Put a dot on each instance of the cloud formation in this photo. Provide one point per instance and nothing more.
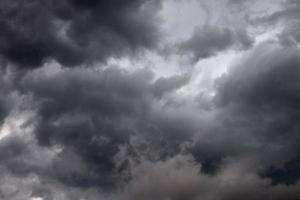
(208, 41)
(74, 32)
(75, 126)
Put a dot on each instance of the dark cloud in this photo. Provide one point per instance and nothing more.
(262, 98)
(179, 178)
(96, 115)
(248, 148)
(3, 109)
(92, 114)
(8, 93)
(263, 83)
(208, 41)
(75, 32)
(165, 85)
(110, 133)
(111, 129)
(88, 130)
(288, 174)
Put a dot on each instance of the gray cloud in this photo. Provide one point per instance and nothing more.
(92, 114)
(262, 99)
(246, 145)
(285, 19)
(165, 85)
(117, 134)
(248, 149)
(209, 41)
(80, 143)
(73, 32)
(179, 178)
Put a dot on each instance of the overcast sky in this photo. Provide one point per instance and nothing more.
(149, 100)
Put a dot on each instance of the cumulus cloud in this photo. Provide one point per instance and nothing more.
(102, 111)
(263, 95)
(75, 32)
(129, 130)
(88, 133)
(86, 144)
(250, 148)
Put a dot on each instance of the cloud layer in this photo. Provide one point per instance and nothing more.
(75, 32)
(89, 111)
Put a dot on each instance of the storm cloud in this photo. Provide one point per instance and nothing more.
(75, 32)
(90, 110)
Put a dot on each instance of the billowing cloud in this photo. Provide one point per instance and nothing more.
(123, 126)
(263, 95)
(75, 32)
(101, 112)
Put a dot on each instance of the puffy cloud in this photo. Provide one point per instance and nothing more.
(259, 99)
(91, 114)
(75, 32)
(248, 149)
(131, 133)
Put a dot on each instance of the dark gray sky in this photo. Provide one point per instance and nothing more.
(149, 100)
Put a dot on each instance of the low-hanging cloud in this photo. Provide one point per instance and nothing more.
(122, 132)
(75, 32)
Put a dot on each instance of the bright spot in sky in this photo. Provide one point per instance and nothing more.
(4, 131)
(36, 198)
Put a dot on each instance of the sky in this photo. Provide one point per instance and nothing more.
(149, 100)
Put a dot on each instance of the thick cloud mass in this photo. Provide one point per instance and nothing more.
(132, 127)
(264, 96)
(92, 114)
(75, 32)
